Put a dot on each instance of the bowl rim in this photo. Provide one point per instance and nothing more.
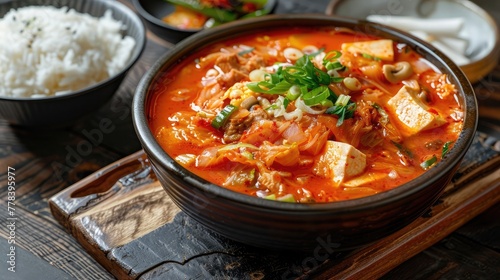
(154, 150)
(135, 55)
(154, 20)
(158, 22)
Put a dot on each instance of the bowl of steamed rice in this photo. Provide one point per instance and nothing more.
(60, 60)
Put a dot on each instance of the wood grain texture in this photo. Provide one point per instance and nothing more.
(454, 210)
(135, 231)
(47, 240)
(48, 164)
(453, 258)
(485, 229)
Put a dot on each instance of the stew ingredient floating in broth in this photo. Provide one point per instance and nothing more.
(306, 115)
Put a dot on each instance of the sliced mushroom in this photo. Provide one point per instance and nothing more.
(397, 72)
(248, 102)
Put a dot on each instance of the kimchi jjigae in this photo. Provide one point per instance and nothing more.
(306, 115)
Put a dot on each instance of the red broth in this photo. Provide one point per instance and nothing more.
(288, 145)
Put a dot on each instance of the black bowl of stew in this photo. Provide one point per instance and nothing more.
(242, 205)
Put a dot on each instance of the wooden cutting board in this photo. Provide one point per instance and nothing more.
(125, 220)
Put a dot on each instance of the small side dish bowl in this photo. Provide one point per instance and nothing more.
(153, 12)
(61, 110)
(478, 38)
(279, 225)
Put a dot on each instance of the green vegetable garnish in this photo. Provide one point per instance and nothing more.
(257, 13)
(365, 55)
(287, 198)
(269, 87)
(384, 117)
(403, 149)
(305, 80)
(222, 117)
(316, 96)
(286, 102)
(294, 92)
(343, 108)
(270, 197)
(446, 148)
(330, 61)
(428, 163)
(220, 15)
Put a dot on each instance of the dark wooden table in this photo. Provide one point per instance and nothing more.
(46, 162)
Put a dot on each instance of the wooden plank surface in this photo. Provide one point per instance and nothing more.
(128, 223)
(47, 166)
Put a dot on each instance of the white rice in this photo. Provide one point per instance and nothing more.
(47, 51)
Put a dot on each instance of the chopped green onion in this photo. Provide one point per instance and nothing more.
(342, 100)
(260, 3)
(247, 154)
(295, 75)
(446, 148)
(286, 101)
(287, 198)
(270, 197)
(330, 61)
(334, 66)
(365, 55)
(272, 107)
(331, 56)
(403, 149)
(316, 96)
(326, 103)
(384, 117)
(323, 77)
(218, 14)
(268, 87)
(222, 117)
(337, 79)
(294, 92)
(304, 80)
(428, 163)
(343, 108)
(257, 13)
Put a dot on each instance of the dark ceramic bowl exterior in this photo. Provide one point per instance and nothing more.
(65, 109)
(152, 11)
(291, 226)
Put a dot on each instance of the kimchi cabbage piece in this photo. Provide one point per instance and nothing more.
(306, 115)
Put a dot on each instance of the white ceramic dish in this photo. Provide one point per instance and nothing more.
(479, 31)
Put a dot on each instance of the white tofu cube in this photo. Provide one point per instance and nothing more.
(382, 49)
(340, 161)
(412, 112)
